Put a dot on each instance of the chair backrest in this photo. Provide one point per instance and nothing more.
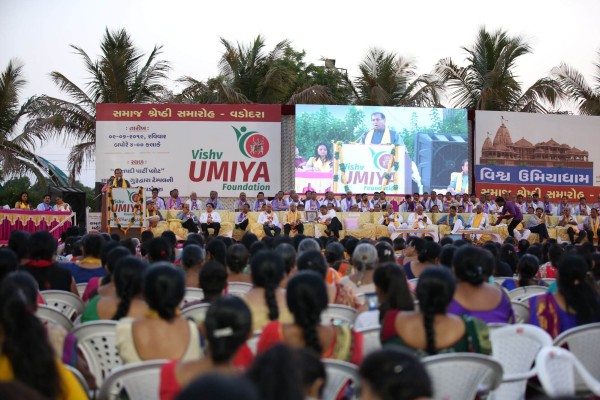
(68, 303)
(98, 343)
(520, 293)
(238, 288)
(556, 369)
(81, 288)
(521, 311)
(548, 281)
(192, 294)
(338, 315)
(583, 342)
(338, 375)
(253, 341)
(197, 312)
(79, 376)
(459, 376)
(371, 339)
(138, 380)
(499, 279)
(51, 314)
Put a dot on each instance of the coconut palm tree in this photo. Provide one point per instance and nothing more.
(585, 96)
(387, 79)
(488, 82)
(122, 74)
(16, 150)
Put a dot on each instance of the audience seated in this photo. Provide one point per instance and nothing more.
(237, 261)
(364, 259)
(192, 260)
(527, 270)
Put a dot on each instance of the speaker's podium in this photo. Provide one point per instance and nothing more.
(123, 211)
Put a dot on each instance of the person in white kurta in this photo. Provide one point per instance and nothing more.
(269, 221)
(418, 220)
(393, 221)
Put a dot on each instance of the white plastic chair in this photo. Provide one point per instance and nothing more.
(81, 288)
(556, 369)
(197, 312)
(53, 315)
(520, 293)
(338, 315)
(372, 340)
(459, 376)
(97, 340)
(79, 376)
(521, 311)
(192, 294)
(515, 347)
(138, 380)
(548, 281)
(583, 342)
(69, 304)
(238, 288)
(499, 280)
(338, 374)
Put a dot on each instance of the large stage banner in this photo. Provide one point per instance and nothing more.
(191, 147)
(524, 153)
(433, 142)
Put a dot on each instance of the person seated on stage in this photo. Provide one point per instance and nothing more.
(330, 221)
(582, 208)
(448, 201)
(294, 198)
(159, 203)
(322, 160)
(300, 207)
(330, 199)
(347, 202)
(408, 205)
(240, 203)
(435, 209)
(354, 208)
(152, 215)
(467, 204)
(365, 204)
(174, 202)
(194, 203)
(536, 223)
(269, 221)
(382, 200)
(418, 220)
(564, 203)
(293, 221)
(60, 205)
(392, 220)
(591, 225)
(45, 204)
(489, 206)
(459, 181)
(569, 222)
(210, 219)
(279, 203)
(242, 219)
(260, 202)
(376, 208)
(214, 199)
(427, 202)
(454, 221)
(311, 203)
(547, 205)
(460, 209)
(479, 219)
(23, 203)
(188, 219)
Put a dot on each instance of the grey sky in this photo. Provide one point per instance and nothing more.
(38, 34)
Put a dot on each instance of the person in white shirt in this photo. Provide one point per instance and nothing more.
(61, 205)
(393, 221)
(570, 223)
(239, 204)
(478, 220)
(210, 219)
(348, 202)
(330, 199)
(418, 220)
(243, 218)
(188, 219)
(159, 203)
(45, 204)
(269, 221)
(427, 202)
(564, 204)
(592, 225)
(582, 208)
(193, 202)
(489, 206)
(331, 222)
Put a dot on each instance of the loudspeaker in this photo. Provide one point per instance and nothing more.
(74, 197)
(437, 156)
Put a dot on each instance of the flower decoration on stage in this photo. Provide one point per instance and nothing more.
(137, 208)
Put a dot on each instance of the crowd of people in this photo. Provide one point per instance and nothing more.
(142, 285)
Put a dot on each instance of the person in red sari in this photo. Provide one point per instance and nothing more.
(307, 299)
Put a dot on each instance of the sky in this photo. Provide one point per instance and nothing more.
(38, 34)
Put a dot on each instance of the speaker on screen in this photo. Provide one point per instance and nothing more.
(437, 156)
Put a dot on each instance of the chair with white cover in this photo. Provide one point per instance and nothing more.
(97, 340)
(371, 339)
(459, 376)
(197, 312)
(238, 288)
(79, 376)
(81, 288)
(515, 347)
(522, 292)
(556, 369)
(192, 294)
(338, 315)
(583, 342)
(68, 303)
(53, 315)
(521, 311)
(139, 380)
(338, 375)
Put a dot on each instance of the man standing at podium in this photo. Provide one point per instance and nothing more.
(118, 181)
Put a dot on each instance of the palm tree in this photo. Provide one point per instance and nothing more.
(387, 79)
(16, 150)
(120, 75)
(488, 82)
(585, 96)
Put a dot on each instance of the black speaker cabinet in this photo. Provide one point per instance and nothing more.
(437, 156)
(74, 197)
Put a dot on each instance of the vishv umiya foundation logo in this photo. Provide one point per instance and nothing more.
(252, 144)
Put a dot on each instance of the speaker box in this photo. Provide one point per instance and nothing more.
(74, 197)
(437, 156)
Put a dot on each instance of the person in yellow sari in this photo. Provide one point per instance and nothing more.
(23, 203)
(322, 161)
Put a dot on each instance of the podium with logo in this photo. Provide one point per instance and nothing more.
(123, 211)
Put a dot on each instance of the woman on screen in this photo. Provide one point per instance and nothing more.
(322, 161)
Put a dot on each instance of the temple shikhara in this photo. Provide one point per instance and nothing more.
(502, 151)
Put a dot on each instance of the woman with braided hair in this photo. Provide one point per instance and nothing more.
(432, 330)
(266, 299)
(307, 298)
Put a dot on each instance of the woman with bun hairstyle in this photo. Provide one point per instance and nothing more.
(474, 295)
(433, 329)
(163, 333)
(266, 299)
(227, 326)
(364, 260)
(307, 298)
(427, 254)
